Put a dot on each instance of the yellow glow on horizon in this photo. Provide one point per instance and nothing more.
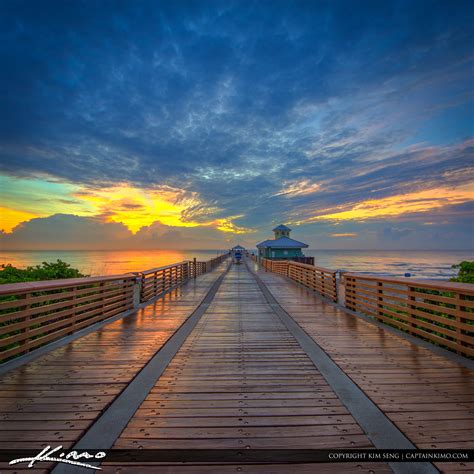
(421, 201)
(132, 206)
(10, 218)
(139, 207)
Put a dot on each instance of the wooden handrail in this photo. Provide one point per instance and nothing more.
(35, 313)
(38, 312)
(420, 282)
(157, 269)
(311, 267)
(44, 285)
(319, 279)
(438, 311)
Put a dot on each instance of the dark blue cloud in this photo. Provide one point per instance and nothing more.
(232, 99)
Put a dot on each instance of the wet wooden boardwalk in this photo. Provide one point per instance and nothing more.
(241, 378)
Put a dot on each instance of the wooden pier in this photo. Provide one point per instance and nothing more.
(241, 358)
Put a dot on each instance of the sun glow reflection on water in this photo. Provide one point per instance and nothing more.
(103, 262)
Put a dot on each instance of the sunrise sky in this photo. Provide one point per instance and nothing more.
(186, 124)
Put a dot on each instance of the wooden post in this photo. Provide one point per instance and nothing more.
(137, 289)
(26, 329)
(195, 267)
(73, 315)
(458, 308)
(155, 283)
(411, 307)
(380, 300)
(349, 293)
(102, 291)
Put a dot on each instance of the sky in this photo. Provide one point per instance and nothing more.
(201, 124)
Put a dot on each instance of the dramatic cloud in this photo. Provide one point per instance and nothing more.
(230, 117)
(419, 202)
(62, 231)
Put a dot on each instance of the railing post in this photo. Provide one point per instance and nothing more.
(458, 319)
(25, 330)
(102, 294)
(155, 283)
(380, 300)
(73, 315)
(341, 289)
(347, 291)
(137, 290)
(195, 267)
(411, 307)
(142, 289)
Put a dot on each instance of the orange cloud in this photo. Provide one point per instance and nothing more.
(139, 207)
(10, 218)
(421, 201)
(349, 234)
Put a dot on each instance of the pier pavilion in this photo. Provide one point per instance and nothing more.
(283, 247)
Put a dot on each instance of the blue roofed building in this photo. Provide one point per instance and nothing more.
(282, 247)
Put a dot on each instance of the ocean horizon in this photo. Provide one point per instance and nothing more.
(433, 264)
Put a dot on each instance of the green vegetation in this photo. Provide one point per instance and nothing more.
(45, 271)
(465, 273)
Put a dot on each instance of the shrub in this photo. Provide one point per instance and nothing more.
(45, 271)
(465, 273)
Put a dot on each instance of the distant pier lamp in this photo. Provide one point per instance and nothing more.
(282, 247)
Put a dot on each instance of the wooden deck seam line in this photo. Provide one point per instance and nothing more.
(108, 427)
(379, 429)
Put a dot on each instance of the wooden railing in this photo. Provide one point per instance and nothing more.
(158, 281)
(214, 262)
(321, 280)
(35, 313)
(440, 312)
(200, 267)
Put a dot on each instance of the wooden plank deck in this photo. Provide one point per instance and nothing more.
(241, 380)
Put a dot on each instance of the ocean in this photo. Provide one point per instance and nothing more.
(420, 264)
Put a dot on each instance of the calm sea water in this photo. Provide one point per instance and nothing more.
(420, 264)
(105, 262)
